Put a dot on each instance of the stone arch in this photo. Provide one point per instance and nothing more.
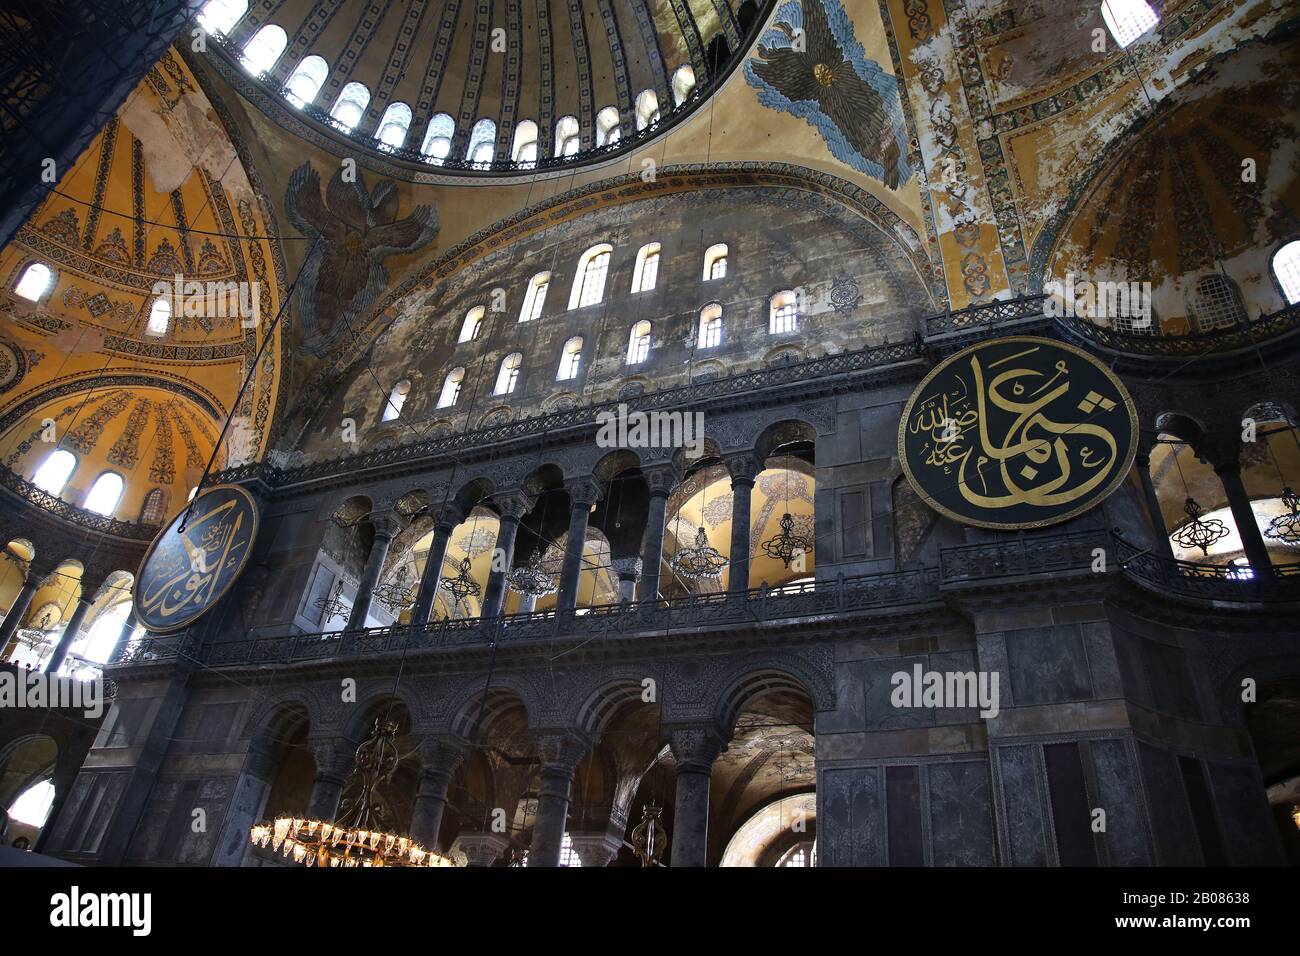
(747, 682)
(785, 431)
(603, 705)
(477, 708)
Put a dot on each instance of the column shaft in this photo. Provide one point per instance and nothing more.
(14, 616)
(738, 575)
(68, 636)
(652, 551)
(369, 578)
(432, 577)
(1244, 517)
(1163, 546)
(552, 815)
(571, 570)
(691, 818)
(494, 594)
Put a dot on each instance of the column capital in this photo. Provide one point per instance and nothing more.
(440, 755)
(583, 492)
(448, 516)
(595, 849)
(387, 524)
(661, 480)
(561, 751)
(335, 757)
(481, 849)
(513, 504)
(743, 468)
(626, 568)
(696, 746)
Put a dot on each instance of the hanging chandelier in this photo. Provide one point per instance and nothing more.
(1199, 532)
(332, 605)
(35, 637)
(531, 579)
(788, 544)
(700, 561)
(649, 837)
(397, 595)
(1286, 527)
(461, 585)
(360, 836)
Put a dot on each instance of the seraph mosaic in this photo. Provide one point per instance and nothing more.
(810, 65)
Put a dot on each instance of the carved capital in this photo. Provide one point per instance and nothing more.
(583, 492)
(661, 480)
(743, 468)
(440, 755)
(387, 524)
(450, 515)
(696, 746)
(627, 568)
(561, 752)
(335, 757)
(513, 504)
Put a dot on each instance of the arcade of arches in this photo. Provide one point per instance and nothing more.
(566, 378)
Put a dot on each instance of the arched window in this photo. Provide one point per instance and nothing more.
(638, 343)
(482, 143)
(160, 317)
(98, 641)
(437, 138)
(508, 375)
(570, 359)
(33, 805)
(351, 105)
(55, 471)
(683, 84)
(647, 109)
(451, 388)
(34, 282)
(646, 272)
(105, 493)
(154, 508)
(715, 261)
(469, 329)
(1286, 266)
(261, 52)
(307, 79)
(589, 286)
(607, 130)
(1128, 19)
(784, 313)
(567, 139)
(1217, 303)
(524, 151)
(396, 399)
(219, 16)
(710, 326)
(394, 125)
(535, 297)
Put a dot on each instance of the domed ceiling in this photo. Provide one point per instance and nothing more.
(498, 60)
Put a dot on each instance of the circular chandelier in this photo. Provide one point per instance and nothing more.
(700, 561)
(1199, 532)
(1286, 527)
(397, 595)
(361, 835)
(531, 579)
(461, 585)
(788, 544)
(332, 605)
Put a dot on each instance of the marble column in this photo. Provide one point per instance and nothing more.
(1243, 515)
(440, 758)
(695, 748)
(17, 610)
(661, 482)
(527, 603)
(431, 579)
(628, 571)
(512, 509)
(387, 526)
(70, 632)
(744, 469)
(560, 754)
(583, 493)
(335, 758)
(124, 636)
(1163, 546)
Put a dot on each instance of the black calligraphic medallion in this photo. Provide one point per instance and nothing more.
(185, 573)
(1017, 433)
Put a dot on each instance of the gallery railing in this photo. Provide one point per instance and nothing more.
(985, 315)
(59, 508)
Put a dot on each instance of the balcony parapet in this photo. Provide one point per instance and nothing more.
(66, 511)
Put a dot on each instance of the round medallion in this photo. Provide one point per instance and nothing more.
(1017, 433)
(186, 573)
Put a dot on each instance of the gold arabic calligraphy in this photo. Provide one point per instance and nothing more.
(189, 581)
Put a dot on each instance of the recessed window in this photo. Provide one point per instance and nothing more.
(567, 139)
(32, 808)
(482, 143)
(508, 374)
(607, 126)
(451, 388)
(710, 326)
(683, 84)
(1216, 303)
(715, 261)
(437, 139)
(160, 317)
(784, 313)
(307, 79)
(638, 343)
(1286, 266)
(394, 125)
(1128, 19)
(396, 399)
(570, 359)
(105, 493)
(261, 52)
(154, 508)
(589, 286)
(524, 151)
(220, 16)
(647, 109)
(535, 297)
(646, 272)
(351, 106)
(34, 282)
(472, 325)
(55, 471)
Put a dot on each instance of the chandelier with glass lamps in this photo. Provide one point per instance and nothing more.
(1286, 526)
(699, 561)
(531, 579)
(397, 595)
(1199, 531)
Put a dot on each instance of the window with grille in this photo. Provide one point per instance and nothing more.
(508, 376)
(710, 326)
(1286, 266)
(393, 126)
(396, 399)
(570, 359)
(307, 79)
(592, 270)
(638, 344)
(472, 325)
(34, 282)
(1217, 303)
(351, 105)
(1128, 19)
(154, 508)
(646, 273)
(715, 262)
(784, 313)
(535, 297)
(451, 388)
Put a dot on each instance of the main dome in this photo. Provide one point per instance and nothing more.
(481, 87)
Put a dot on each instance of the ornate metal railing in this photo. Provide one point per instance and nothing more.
(985, 315)
(1244, 334)
(1023, 554)
(56, 506)
(1211, 582)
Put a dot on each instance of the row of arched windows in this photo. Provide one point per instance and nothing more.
(268, 44)
(105, 494)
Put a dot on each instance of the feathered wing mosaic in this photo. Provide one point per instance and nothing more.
(810, 65)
